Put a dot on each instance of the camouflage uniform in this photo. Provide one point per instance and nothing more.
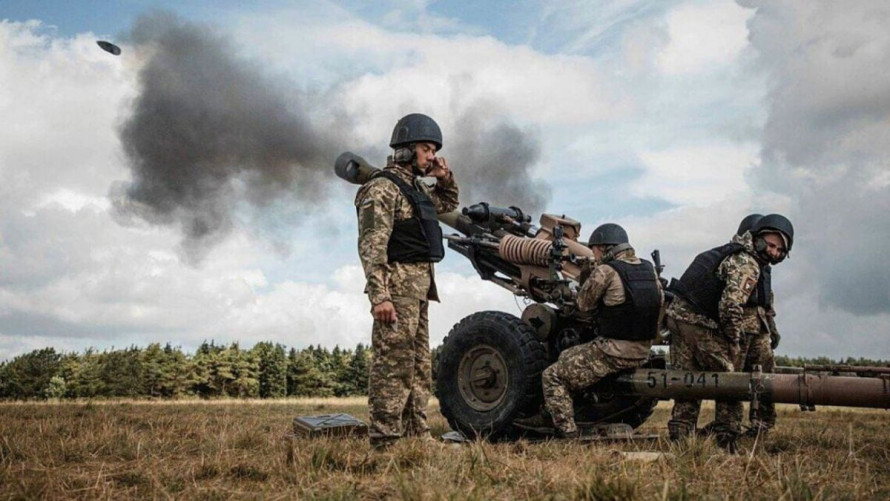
(759, 327)
(400, 374)
(760, 352)
(699, 343)
(581, 366)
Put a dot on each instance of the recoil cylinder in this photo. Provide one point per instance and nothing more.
(518, 250)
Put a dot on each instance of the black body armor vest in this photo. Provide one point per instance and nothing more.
(636, 319)
(701, 287)
(761, 295)
(417, 239)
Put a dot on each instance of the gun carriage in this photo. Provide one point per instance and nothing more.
(489, 366)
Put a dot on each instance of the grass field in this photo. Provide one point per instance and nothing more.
(233, 449)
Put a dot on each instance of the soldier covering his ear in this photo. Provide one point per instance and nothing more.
(399, 241)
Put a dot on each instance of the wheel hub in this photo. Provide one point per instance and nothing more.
(483, 378)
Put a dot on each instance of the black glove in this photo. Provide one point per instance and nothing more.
(774, 339)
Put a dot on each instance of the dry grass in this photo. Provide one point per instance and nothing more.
(230, 449)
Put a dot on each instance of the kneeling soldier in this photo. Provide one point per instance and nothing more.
(627, 295)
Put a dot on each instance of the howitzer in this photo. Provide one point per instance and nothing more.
(489, 366)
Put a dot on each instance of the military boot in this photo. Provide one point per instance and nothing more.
(729, 441)
(539, 423)
(707, 430)
(757, 430)
(678, 430)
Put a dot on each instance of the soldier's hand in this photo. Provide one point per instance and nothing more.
(439, 168)
(774, 339)
(734, 337)
(384, 312)
(586, 270)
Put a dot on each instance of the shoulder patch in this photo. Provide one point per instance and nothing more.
(749, 285)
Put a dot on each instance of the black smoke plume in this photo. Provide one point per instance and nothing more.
(206, 126)
(209, 131)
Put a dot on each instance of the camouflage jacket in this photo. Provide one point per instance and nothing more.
(740, 272)
(605, 284)
(757, 319)
(379, 203)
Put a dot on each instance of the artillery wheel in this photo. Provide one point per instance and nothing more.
(599, 406)
(489, 373)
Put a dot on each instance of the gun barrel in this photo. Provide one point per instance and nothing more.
(807, 390)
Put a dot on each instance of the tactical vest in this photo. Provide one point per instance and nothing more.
(701, 286)
(636, 319)
(417, 239)
(761, 294)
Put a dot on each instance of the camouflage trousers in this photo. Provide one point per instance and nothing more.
(698, 348)
(400, 375)
(577, 368)
(759, 352)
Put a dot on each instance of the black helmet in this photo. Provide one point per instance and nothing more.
(608, 234)
(416, 128)
(748, 223)
(772, 223)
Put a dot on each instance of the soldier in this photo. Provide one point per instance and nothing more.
(707, 317)
(759, 340)
(399, 240)
(763, 338)
(627, 294)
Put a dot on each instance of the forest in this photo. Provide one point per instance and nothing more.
(267, 370)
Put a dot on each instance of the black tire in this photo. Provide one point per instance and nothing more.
(593, 406)
(489, 373)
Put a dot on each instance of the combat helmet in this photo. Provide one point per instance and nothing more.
(747, 223)
(773, 223)
(608, 234)
(613, 237)
(416, 128)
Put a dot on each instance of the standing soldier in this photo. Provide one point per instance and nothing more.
(626, 292)
(707, 318)
(399, 240)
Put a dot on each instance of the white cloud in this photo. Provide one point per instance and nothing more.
(697, 176)
(703, 36)
(449, 74)
(73, 201)
(399, 71)
(70, 277)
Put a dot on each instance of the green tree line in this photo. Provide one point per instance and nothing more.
(786, 361)
(214, 371)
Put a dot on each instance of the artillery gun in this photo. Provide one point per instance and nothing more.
(489, 366)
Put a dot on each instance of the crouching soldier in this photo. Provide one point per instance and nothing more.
(626, 293)
(759, 338)
(707, 317)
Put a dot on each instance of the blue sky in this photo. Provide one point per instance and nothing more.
(674, 119)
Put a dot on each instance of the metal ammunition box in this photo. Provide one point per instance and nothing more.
(329, 425)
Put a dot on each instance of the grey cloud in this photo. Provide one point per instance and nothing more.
(495, 159)
(827, 139)
(37, 324)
